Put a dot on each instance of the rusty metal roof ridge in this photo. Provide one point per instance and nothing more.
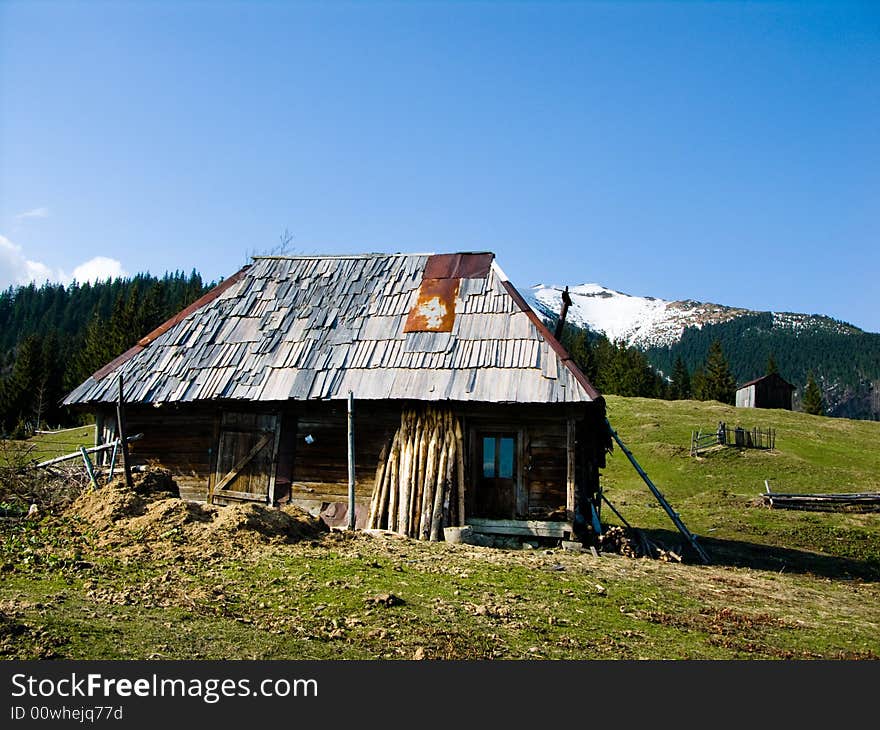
(294, 257)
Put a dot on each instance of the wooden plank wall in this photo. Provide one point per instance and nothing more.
(546, 469)
(179, 438)
(184, 439)
(320, 469)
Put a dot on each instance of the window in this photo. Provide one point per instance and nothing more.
(498, 457)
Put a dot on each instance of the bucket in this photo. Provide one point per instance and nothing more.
(455, 535)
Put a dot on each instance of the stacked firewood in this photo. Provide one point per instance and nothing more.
(617, 540)
(636, 544)
(419, 486)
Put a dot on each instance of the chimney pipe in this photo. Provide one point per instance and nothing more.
(560, 323)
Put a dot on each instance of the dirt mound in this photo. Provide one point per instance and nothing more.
(147, 513)
(164, 515)
(115, 502)
(156, 482)
(290, 523)
(107, 506)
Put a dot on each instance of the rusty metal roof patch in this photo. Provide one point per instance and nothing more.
(458, 266)
(434, 310)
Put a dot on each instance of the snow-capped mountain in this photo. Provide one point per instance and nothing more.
(646, 322)
(844, 359)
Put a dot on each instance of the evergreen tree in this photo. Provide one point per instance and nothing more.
(576, 341)
(96, 350)
(680, 387)
(717, 381)
(771, 366)
(698, 383)
(813, 402)
(52, 337)
(23, 389)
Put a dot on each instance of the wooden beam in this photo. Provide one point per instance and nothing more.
(534, 528)
(99, 427)
(570, 469)
(244, 461)
(242, 496)
(351, 506)
(213, 457)
(120, 419)
(113, 459)
(274, 466)
(90, 450)
(522, 494)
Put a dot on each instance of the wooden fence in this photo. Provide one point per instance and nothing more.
(756, 438)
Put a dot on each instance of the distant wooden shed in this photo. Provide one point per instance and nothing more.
(769, 391)
(467, 408)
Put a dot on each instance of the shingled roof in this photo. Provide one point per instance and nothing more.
(395, 326)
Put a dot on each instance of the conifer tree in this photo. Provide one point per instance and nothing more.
(21, 387)
(771, 366)
(813, 402)
(680, 388)
(717, 382)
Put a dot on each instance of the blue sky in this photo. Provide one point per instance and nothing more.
(721, 151)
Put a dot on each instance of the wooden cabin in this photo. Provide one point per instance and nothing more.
(770, 391)
(466, 408)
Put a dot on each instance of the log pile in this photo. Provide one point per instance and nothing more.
(618, 540)
(634, 543)
(419, 487)
(857, 502)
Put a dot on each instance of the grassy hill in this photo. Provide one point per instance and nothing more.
(716, 494)
(111, 581)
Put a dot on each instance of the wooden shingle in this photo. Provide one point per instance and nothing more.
(319, 326)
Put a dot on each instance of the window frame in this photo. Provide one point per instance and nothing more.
(497, 437)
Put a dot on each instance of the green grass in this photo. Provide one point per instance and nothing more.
(47, 446)
(783, 584)
(717, 494)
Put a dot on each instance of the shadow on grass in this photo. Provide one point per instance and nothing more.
(740, 554)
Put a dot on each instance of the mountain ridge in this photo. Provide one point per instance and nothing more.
(646, 321)
(844, 359)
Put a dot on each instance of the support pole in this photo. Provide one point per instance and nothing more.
(113, 460)
(99, 428)
(120, 420)
(351, 506)
(673, 515)
(89, 468)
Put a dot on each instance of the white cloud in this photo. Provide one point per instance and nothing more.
(34, 213)
(99, 268)
(16, 268)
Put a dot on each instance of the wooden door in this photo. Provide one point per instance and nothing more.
(496, 493)
(246, 458)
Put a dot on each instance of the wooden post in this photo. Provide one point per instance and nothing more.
(113, 460)
(459, 456)
(120, 420)
(273, 467)
(99, 433)
(89, 469)
(570, 470)
(351, 506)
